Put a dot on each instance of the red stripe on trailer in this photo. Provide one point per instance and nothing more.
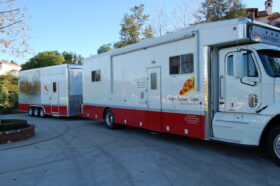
(23, 107)
(49, 109)
(174, 123)
(93, 112)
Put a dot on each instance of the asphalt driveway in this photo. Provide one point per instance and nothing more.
(83, 152)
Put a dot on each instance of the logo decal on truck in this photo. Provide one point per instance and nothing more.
(187, 87)
(46, 88)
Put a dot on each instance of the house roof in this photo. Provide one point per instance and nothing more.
(274, 16)
(11, 64)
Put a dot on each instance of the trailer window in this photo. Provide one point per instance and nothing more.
(95, 75)
(187, 63)
(174, 63)
(54, 86)
(153, 81)
(183, 64)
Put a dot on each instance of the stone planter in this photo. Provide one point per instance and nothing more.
(15, 130)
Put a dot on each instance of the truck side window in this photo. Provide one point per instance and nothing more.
(54, 86)
(250, 68)
(96, 75)
(182, 64)
(230, 71)
(174, 63)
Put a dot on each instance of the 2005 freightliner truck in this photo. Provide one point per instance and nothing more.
(215, 81)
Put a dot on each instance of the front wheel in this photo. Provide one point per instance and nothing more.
(273, 144)
(109, 119)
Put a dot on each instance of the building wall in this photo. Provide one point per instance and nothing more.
(7, 68)
(262, 19)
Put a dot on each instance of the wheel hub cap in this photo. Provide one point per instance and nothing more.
(109, 119)
(277, 146)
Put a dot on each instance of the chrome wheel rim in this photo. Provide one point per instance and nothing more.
(35, 112)
(41, 112)
(30, 111)
(277, 146)
(109, 119)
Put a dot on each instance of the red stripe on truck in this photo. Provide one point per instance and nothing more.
(174, 123)
(49, 109)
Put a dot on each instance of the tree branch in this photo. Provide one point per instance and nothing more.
(3, 27)
(5, 2)
(4, 12)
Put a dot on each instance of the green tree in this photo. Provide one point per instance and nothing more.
(104, 48)
(148, 32)
(44, 59)
(8, 94)
(216, 10)
(4, 96)
(132, 30)
(72, 58)
(237, 9)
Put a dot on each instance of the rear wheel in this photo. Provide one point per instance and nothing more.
(30, 111)
(273, 144)
(36, 112)
(109, 119)
(41, 113)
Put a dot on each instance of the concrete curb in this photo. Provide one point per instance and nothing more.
(17, 135)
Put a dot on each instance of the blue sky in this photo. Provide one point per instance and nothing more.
(82, 26)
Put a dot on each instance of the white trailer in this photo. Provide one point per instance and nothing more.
(215, 81)
(54, 90)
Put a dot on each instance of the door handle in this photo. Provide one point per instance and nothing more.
(220, 88)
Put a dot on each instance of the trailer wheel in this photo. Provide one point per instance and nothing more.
(30, 111)
(41, 113)
(36, 112)
(109, 119)
(273, 144)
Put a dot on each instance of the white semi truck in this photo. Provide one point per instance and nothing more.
(54, 90)
(215, 81)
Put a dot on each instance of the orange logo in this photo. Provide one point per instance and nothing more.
(188, 86)
(46, 88)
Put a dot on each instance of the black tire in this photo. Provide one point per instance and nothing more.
(36, 111)
(109, 119)
(30, 111)
(273, 144)
(41, 113)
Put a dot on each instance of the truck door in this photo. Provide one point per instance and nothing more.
(54, 97)
(154, 98)
(240, 82)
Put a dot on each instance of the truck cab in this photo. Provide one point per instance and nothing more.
(248, 110)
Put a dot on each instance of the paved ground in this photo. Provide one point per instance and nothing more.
(83, 152)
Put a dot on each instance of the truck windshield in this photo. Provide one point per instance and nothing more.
(271, 61)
